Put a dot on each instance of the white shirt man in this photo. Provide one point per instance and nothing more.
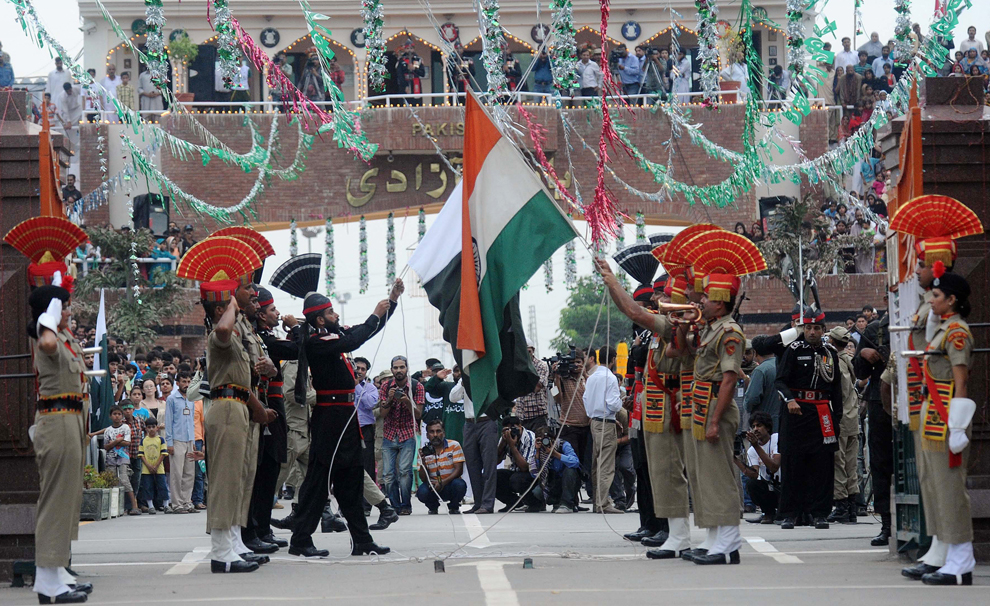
(971, 42)
(737, 72)
(755, 461)
(56, 78)
(682, 83)
(111, 82)
(68, 104)
(589, 74)
(602, 398)
(846, 56)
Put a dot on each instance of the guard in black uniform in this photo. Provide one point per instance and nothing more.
(335, 452)
(258, 534)
(810, 383)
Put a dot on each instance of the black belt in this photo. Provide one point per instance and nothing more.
(230, 392)
(603, 420)
(478, 419)
(809, 394)
(60, 405)
(334, 396)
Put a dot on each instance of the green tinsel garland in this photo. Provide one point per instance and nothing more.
(421, 227)
(563, 46)
(154, 19)
(570, 265)
(227, 50)
(374, 19)
(492, 55)
(293, 238)
(640, 227)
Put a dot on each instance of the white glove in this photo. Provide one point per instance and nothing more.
(57, 279)
(932, 326)
(52, 316)
(961, 411)
(789, 336)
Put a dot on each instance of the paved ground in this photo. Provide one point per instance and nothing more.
(578, 559)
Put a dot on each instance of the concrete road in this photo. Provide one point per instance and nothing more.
(578, 559)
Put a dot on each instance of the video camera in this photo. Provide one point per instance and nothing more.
(565, 362)
(427, 450)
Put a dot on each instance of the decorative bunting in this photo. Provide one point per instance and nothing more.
(492, 43)
(374, 45)
(708, 50)
(363, 254)
(330, 270)
(421, 227)
(563, 46)
(390, 250)
(293, 238)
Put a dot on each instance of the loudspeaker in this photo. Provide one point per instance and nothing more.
(151, 211)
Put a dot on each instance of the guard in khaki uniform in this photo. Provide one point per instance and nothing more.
(659, 417)
(846, 484)
(59, 432)
(936, 222)
(721, 257)
(224, 266)
(946, 428)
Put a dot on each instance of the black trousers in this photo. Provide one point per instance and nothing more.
(562, 488)
(368, 454)
(644, 490)
(348, 487)
(579, 438)
(764, 498)
(263, 493)
(806, 482)
(881, 456)
(510, 484)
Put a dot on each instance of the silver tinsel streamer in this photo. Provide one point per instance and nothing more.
(374, 18)
(227, 47)
(563, 46)
(293, 239)
(708, 52)
(421, 227)
(492, 55)
(902, 27)
(570, 265)
(363, 254)
(330, 271)
(796, 54)
(154, 17)
(640, 228)
(548, 274)
(390, 250)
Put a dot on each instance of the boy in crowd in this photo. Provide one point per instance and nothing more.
(153, 452)
(138, 430)
(116, 440)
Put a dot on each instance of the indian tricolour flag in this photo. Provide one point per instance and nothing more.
(497, 228)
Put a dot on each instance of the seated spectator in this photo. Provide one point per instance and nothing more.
(443, 460)
(153, 486)
(842, 214)
(756, 232)
(857, 116)
(518, 450)
(973, 58)
(957, 71)
(844, 129)
(762, 469)
(741, 229)
(563, 472)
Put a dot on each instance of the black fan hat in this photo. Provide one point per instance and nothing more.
(299, 276)
(638, 261)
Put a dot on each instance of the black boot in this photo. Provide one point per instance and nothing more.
(289, 493)
(884, 537)
(332, 522)
(287, 522)
(850, 510)
(840, 513)
(386, 517)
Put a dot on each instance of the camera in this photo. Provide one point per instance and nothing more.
(427, 451)
(739, 445)
(565, 362)
(615, 55)
(515, 433)
(546, 442)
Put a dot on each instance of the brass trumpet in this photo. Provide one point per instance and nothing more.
(681, 313)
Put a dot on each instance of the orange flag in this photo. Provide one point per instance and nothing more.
(910, 184)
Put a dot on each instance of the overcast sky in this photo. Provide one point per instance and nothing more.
(61, 18)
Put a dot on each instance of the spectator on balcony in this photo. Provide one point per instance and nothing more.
(873, 47)
(863, 64)
(151, 97)
(513, 73)
(56, 78)
(411, 73)
(157, 270)
(971, 41)
(847, 57)
(126, 93)
(337, 74)
(542, 74)
(6, 72)
(460, 69)
(630, 68)
(589, 75)
(973, 58)
(70, 189)
(850, 87)
(311, 83)
(68, 112)
(187, 238)
(682, 81)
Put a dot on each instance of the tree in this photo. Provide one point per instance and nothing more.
(135, 307)
(577, 319)
(821, 250)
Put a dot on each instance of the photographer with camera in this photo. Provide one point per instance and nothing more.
(440, 474)
(602, 399)
(762, 469)
(518, 449)
(568, 380)
(532, 407)
(559, 482)
(401, 403)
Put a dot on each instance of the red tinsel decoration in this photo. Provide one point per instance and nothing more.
(299, 103)
(601, 213)
(537, 133)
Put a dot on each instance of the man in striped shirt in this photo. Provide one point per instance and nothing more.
(444, 463)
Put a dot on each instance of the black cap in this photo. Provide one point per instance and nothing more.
(952, 284)
(436, 367)
(188, 227)
(265, 297)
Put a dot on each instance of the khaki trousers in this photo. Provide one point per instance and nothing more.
(182, 474)
(250, 470)
(59, 440)
(846, 475)
(717, 491)
(604, 436)
(227, 432)
(665, 462)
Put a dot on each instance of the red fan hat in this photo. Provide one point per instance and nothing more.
(722, 257)
(936, 222)
(220, 264)
(258, 242)
(676, 247)
(46, 241)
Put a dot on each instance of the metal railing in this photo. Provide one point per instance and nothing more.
(85, 264)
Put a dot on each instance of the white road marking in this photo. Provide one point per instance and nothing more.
(761, 546)
(189, 561)
(491, 576)
(479, 538)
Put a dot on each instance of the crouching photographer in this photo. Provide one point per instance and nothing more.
(563, 475)
(443, 461)
(762, 469)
